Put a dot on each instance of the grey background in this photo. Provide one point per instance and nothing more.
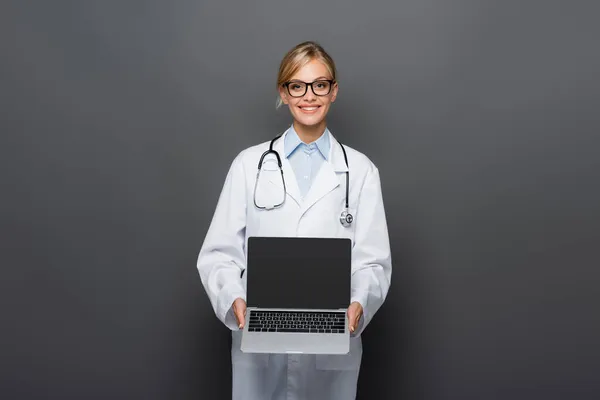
(119, 121)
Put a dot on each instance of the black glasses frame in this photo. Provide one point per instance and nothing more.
(307, 84)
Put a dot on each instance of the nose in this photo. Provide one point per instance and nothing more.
(310, 95)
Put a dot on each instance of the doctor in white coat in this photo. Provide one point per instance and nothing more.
(310, 204)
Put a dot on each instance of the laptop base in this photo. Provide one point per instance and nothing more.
(296, 343)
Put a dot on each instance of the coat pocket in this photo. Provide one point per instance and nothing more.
(342, 362)
(238, 357)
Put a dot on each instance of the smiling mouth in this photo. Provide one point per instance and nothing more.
(309, 108)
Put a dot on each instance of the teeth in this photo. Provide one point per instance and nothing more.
(309, 108)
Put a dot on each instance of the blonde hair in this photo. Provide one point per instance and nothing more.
(298, 57)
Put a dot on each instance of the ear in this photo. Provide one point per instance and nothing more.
(334, 92)
(283, 94)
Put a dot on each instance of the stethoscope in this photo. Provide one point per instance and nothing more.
(346, 218)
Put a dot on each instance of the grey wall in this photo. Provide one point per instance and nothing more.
(118, 124)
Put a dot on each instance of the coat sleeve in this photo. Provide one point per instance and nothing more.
(222, 256)
(371, 254)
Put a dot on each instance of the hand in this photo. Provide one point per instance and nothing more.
(355, 312)
(239, 310)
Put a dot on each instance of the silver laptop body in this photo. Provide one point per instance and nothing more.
(298, 292)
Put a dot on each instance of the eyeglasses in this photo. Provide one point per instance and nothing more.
(299, 88)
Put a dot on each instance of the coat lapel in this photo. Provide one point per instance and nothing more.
(328, 177)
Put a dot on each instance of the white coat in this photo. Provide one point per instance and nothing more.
(223, 257)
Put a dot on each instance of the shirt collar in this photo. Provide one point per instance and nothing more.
(292, 141)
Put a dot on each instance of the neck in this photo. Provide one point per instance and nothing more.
(309, 134)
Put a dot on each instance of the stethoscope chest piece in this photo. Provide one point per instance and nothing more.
(346, 218)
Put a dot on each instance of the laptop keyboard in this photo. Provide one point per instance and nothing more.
(296, 321)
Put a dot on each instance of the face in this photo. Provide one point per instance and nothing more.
(310, 110)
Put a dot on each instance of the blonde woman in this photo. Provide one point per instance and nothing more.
(331, 190)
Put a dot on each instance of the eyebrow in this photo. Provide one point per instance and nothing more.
(320, 78)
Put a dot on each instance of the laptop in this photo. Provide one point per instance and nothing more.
(298, 293)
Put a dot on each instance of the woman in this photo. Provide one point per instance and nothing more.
(315, 167)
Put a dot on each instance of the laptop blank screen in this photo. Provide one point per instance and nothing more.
(296, 272)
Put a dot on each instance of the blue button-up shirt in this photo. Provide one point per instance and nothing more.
(306, 159)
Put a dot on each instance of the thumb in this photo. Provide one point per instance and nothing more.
(239, 309)
(351, 318)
